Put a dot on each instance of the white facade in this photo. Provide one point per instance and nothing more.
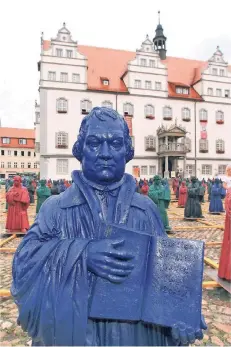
(146, 79)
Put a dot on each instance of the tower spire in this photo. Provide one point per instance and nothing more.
(160, 40)
(159, 17)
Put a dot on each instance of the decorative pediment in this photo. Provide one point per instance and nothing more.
(64, 35)
(174, 130)
(146, 46)
(217, 57)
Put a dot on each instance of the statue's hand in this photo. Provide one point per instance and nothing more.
(185, 335)
(107, 259)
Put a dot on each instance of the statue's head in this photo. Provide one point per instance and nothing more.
(193, 179)
(217, 180)
(42, 182)
(17, 181)
(228, 170)
(183, 183)
(103, 146)
(157, 180)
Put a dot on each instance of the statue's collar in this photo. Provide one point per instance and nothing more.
(96, 186)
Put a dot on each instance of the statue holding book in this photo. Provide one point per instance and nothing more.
(102, 235)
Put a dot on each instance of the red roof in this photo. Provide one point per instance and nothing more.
(17, 133)
(112, 64)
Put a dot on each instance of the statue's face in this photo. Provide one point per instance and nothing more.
(157, 181)
(103, 159)
(17, 181)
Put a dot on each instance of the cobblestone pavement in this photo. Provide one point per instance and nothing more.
(216, 304)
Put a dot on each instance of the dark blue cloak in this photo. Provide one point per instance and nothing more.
(51, 283)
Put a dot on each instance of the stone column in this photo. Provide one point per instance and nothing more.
(184, 167)
(166, 172)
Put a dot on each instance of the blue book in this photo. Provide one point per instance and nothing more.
(165, 286)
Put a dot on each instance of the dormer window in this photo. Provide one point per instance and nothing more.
(222, 72)
(152, 63)
(105, 81)
(143, 62)
(69, 53)
(182, 90)
(214, 72)
(227, 93)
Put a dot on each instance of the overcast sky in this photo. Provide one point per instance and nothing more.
(193, 30)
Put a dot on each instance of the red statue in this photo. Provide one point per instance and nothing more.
(224, 270)
(144, 188)
(18, 200)
(175, 184)
(183, 194)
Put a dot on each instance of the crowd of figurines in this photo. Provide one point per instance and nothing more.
(190, 194)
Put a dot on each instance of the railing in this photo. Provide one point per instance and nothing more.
(172, 147)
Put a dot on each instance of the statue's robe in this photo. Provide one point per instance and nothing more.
(51, 284)
(193, 206)
(31, 191)
(17, 219)
(216, 204)
(42, 193)
(157, 194)
(182, 195)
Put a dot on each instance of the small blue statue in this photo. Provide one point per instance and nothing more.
(57, 263)
(216, 205)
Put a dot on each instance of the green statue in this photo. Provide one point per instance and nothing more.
(167, 193)
(193, 206)
(43, 192)
(158, 195)
(8, 186)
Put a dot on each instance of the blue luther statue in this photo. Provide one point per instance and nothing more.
(216, 205)
(64, 253)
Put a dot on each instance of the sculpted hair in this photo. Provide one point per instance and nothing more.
(102, 113)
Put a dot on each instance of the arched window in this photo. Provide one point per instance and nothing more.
(149, 111)
(203, 146)
(167, 113)
(219, 117)
(203, 114)
(61, 139)
(61, 105)
(150, 143)
(220, 146)
(86, 106)
(128, 109)
(107, 104)
(186, 114)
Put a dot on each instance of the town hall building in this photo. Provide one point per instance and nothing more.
(178, 110)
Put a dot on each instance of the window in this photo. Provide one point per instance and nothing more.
(220, 146)
(51, 76)
(128, 109)
(5, 140)
(182, 90)
(214, 72)
(29, 165)
(219, 117)
(188, 144)
(158, 85)
(61, 140)
(64, 77)
(62, 166)
(143, 62)
(29, 154)
(221, 169)
(86, 106)
(34, 154)
(227, 93)
(2, 165)
(9, 152)
(61, 105)
(167, 113)
(222, 72)
(149, 111)
(203, 114)
(22, 153)
(107, 104)
(210, 91)
(218, 92)
(150, 143)
(76, 78)
(2, 152)
(22, 141)
(105, 82)
(186, 116)
(206, 169)
(9, 165)
(35, 165)
(148, 85)
(69, 53)
(144, 170)
(137, 84)
(152, 63)
(22, 166)
(15, 153)
(59, 52)
(152, 170)
(203, 146)
(190, 169)
(15, 165)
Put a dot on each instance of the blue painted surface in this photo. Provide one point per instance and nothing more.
(56, 265)
(216, 204)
